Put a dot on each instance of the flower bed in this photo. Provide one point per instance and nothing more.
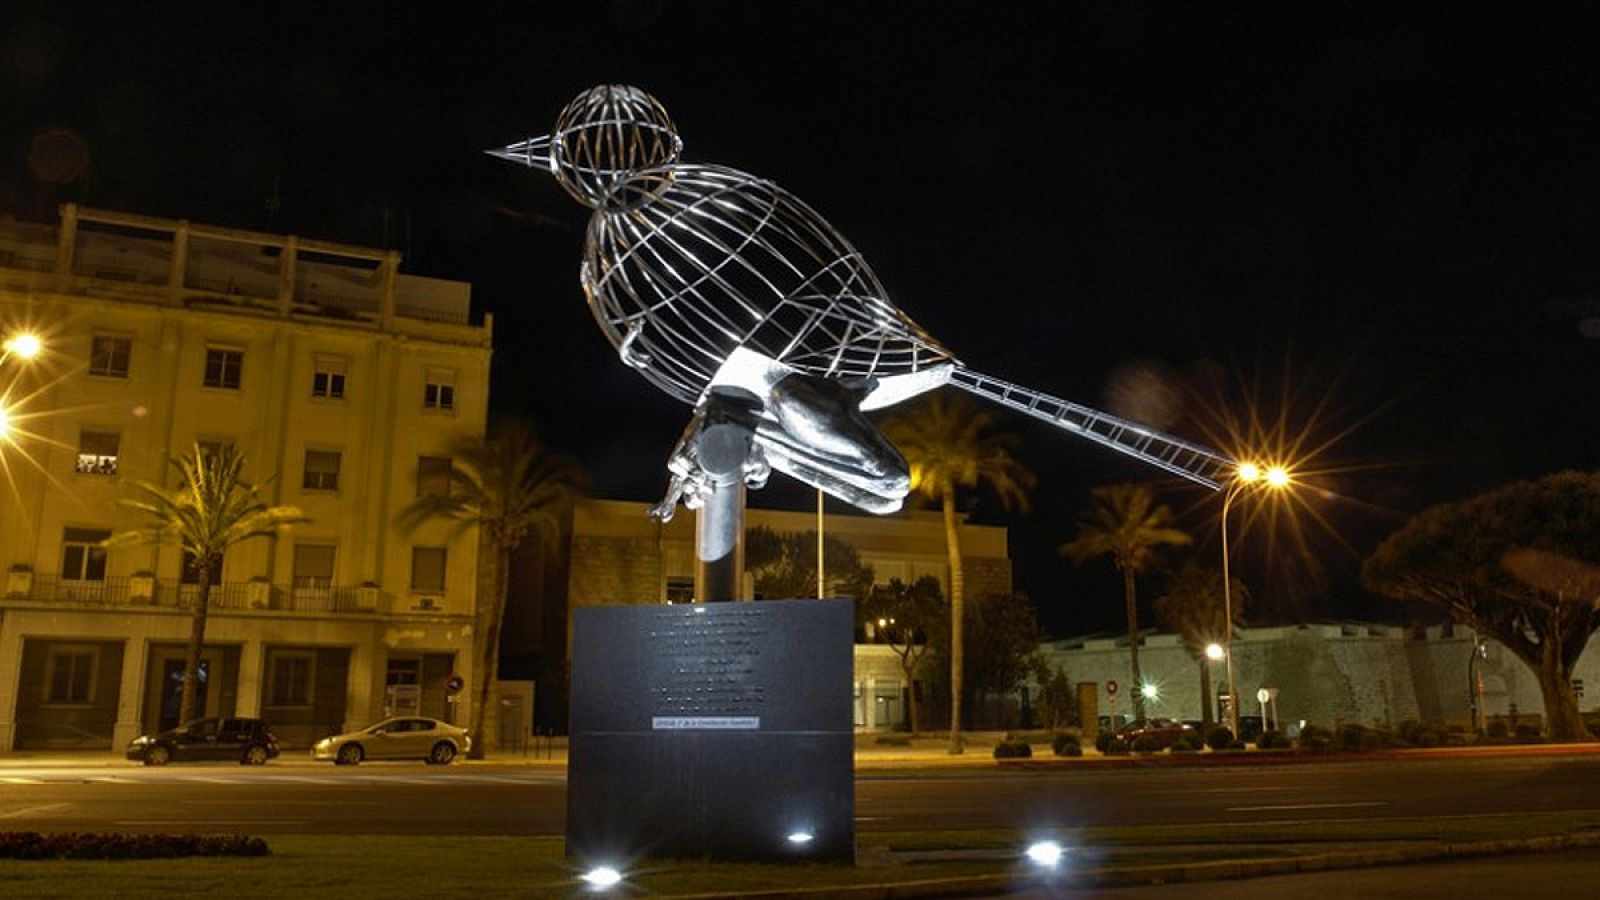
(33, 845)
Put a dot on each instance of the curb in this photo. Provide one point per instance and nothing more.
(1135, 876)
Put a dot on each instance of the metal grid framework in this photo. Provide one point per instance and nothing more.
(685, 264)
(688, 266)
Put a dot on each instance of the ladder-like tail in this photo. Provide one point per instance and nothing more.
(1196, 463)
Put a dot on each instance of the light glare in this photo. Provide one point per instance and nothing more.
(1213, 651)
(25, 345)
(1277, 476)
(800, 837)
(1249, 471)
(602, 877)
(1149, 691)
(1045, 853)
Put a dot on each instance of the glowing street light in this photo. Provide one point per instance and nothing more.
(23, 345)
(1248, 475)
(1214, 651)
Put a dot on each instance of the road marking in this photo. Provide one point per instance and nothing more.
(1305, 806)
(1221, 790)
(30, 810)
(17, 780)
(214, 780)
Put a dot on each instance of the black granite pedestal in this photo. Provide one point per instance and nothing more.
(718, 731)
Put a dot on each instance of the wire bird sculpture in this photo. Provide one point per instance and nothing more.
(728, 292)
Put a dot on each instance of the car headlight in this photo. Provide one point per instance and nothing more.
(139, 741)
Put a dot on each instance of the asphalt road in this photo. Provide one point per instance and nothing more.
(509, 799)
(1567, 874)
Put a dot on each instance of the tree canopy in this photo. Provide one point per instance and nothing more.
(784, 564)
(1467, 557)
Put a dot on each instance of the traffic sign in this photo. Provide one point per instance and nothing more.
(1111, 688)
(1263, 695)
(453, 684)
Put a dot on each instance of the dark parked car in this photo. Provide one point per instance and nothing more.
(249, 741)
(1166, 731)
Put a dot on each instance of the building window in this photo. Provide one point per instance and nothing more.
(289, 679)
(313, 566)
(327, 377)
(71, 675)
(680, 589)
(223, 366)
(427, 569)
(82, 557)
(97, 452)
(210, 447)
(433, 475)
(439, 389)
(322, 470)
(109, 355)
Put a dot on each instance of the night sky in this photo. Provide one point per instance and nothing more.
(1374, 233)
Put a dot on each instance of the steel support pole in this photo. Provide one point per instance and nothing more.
(723, 447)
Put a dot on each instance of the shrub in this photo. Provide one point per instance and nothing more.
(1356, 738)
(1219, 738)
(1498, 729)
(32, 845)
(1189, 740)
(1272, 740)
(1147, 743)
(1529, 734)
(1315, 738)
(1067, 743)
(1012, 748)
(1116, 747)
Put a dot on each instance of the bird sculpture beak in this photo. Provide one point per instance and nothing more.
(533, 152)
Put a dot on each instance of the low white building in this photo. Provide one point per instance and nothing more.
(1325, 673)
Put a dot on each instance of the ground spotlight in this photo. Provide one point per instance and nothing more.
(1045, 853)
(800, 838)
(602, 877)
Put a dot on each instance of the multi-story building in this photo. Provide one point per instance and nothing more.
(342, 381)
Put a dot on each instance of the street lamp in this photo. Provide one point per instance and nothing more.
(1248, 475)
(23, 345)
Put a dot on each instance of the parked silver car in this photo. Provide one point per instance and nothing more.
(403, 737)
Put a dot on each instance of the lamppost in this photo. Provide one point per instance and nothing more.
(1214, 652)
(1247, 475)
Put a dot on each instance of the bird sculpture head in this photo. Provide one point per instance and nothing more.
(605, 134)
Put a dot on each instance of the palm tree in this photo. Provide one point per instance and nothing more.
(948, 442)
(210, 510)
(508, 487)
(1125, 523)
(1193, 606)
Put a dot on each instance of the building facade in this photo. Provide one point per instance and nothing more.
(619, 555)
(341, 380)
(1329, 673)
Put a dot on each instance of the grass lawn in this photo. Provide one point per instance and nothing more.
(350, 867)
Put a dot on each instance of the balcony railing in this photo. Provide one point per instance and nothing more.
(237, 595)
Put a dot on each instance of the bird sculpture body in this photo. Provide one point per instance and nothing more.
(714, 283)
